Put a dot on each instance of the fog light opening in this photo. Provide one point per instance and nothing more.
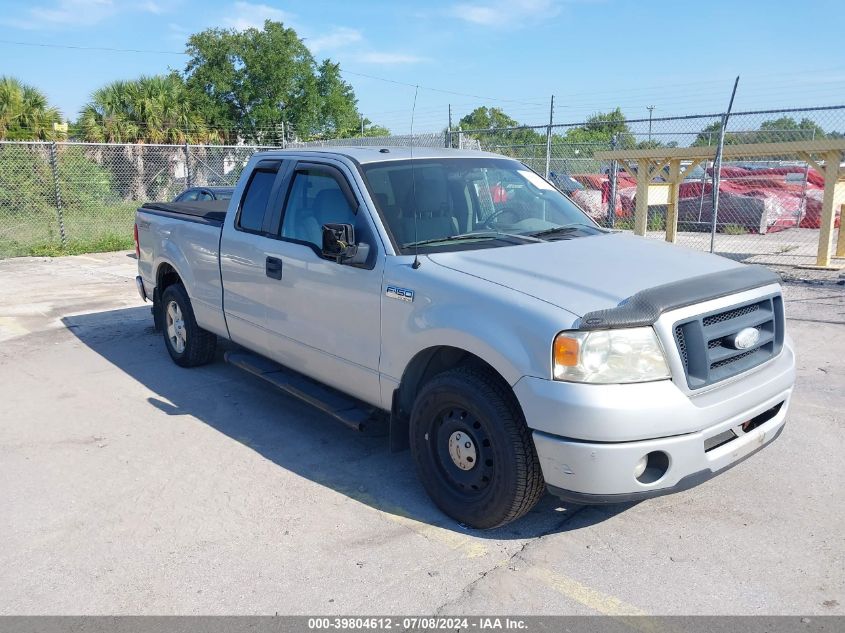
(654, 466)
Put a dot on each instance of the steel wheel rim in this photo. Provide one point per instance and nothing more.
(467, 478)
(176, 333)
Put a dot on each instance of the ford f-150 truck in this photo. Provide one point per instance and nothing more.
(510, 342)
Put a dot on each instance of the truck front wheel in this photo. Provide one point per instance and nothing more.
(473, 450)
(187, 343)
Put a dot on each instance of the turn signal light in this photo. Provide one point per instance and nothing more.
(566, 351)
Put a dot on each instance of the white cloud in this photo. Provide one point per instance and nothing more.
(504, 13)
(252, 16)
(350, 44)
(334, 39)
(387, 59)
(70, 13)
(152, 7)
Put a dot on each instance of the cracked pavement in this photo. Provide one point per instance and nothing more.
(131, 486)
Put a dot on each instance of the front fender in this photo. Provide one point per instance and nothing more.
(509, 330)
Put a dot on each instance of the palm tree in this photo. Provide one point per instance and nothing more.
(147, 110)
(25, 113)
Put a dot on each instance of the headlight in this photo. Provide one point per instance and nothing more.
(609, 356)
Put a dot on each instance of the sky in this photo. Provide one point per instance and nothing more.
(592, 55)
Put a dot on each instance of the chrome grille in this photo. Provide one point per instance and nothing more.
(705, 343)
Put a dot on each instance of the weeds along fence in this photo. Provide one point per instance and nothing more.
(82, 197)
(77, 197)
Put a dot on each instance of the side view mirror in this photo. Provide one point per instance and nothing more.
(339, 244)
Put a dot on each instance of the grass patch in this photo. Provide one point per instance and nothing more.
(94, 229)
(734, 229)
(101, 244)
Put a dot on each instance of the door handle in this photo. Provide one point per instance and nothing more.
(273, 268)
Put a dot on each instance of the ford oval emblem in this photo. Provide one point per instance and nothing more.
(746, 338)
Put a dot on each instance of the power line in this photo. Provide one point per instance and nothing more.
(440, 90)
(91, 48)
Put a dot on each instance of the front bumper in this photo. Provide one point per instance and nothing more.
(589, 438)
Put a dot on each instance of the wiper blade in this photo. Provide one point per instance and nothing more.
(566, 228)
(471, 236)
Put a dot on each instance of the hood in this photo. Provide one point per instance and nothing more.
(588, 273)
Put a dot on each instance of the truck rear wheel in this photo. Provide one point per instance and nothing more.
(187, 343)
(473, 450)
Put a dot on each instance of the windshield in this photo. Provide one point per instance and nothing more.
(458, 203)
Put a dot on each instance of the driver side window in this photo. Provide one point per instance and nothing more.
(315, 199)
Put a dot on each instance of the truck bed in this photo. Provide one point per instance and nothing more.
(206, 211)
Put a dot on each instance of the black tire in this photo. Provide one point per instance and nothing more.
(198, 346)
(503, 481)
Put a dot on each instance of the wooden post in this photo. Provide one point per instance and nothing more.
(831, 174)
(641, 210)
(839, 203)
(672, 205)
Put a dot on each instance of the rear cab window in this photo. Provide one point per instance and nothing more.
(256, 197)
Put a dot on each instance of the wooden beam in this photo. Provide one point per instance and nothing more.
(695, 163)
(806, 156)
(839, 202)
(658, 167)
(745, 150)
(672, 206)
(628, 167)
(641, 209)
(831, 175)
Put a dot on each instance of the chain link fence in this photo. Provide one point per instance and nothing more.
(78, 197)
(769, 207)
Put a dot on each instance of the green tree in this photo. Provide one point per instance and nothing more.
(148, 110)
(154, 109)
(599, 130)
(501, 133)
(371, 129)
(709, 135)
(338, 112)
(484, 118)
(786, 129)
(778, 130)
(25, 113)
(257, 82)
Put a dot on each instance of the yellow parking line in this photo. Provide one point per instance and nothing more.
(582, 594)
(466, 545)
(10, 328)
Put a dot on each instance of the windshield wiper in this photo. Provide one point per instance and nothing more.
(566, 228)
(473, 236)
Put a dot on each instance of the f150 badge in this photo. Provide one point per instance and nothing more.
(403, 294)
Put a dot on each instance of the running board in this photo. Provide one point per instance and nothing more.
(341, 407)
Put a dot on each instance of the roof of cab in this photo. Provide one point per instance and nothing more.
(380, 154)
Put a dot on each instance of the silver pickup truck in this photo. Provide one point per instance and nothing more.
(509, 341)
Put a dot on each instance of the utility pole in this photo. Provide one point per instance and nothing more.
(549, 136)
(449, 128)
(650, 110)
(362, 125)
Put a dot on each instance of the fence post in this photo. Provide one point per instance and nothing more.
(549, 137)
(614, 174)
(460, 138)
(54, 167)
(717, 167)
(187, 166)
